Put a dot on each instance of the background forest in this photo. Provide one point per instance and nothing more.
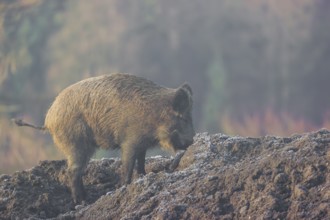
(256, 67)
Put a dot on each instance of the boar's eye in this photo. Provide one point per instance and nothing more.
(182, 118)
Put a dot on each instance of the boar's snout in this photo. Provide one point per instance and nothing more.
(181, 143)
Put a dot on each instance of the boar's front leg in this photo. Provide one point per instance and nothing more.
(141, 158)
(132, 151)
(128, 158)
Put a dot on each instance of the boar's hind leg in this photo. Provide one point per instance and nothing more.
(141, 158)
(76, 184)
(77, 163)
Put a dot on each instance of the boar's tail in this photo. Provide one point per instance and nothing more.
(20, 122)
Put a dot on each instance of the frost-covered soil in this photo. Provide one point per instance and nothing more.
(219, 177)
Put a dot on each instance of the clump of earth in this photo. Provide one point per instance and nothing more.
(218, 177)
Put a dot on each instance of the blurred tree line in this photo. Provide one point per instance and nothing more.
(241, 57)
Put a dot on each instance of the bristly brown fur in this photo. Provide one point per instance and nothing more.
(117, 111)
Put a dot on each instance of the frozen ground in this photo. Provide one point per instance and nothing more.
(219, 177)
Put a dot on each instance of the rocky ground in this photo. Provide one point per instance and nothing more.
(219, 177)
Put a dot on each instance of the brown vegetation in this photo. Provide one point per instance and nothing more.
(240, 57)
(270, 123)
(22, 149)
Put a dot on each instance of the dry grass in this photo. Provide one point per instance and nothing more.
(22, 148)
(268, 123)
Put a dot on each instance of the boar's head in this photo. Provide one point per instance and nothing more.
(177, 130)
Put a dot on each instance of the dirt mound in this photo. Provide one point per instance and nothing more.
(219, 177)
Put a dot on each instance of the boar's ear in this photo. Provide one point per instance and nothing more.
(182, 98)
(187, 87)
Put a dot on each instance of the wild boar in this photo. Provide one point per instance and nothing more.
(117, 111)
